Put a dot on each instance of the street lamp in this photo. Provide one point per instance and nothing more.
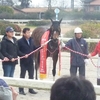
(56, 12)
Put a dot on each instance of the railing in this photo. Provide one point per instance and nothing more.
(89, 40)
(38, 84)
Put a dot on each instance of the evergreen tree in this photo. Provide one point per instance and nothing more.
(25, 3)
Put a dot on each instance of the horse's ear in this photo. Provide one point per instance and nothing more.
(51, 20)
(60, 20)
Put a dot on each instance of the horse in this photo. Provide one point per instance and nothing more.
(52, 46)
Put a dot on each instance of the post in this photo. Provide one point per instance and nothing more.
(56, 12)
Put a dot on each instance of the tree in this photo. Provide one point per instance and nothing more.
(63, 4)
(25, 3)
(49, 4)
(6, 2)
(87, 1)
(72, 4)
(6, 9)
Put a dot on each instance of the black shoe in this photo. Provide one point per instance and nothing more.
(22, 92)
(32, 91)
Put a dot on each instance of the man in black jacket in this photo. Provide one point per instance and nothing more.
(9, 49)
(26, 46)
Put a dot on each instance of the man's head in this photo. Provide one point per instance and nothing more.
(78, 32)
(89, 93)
(72, 88)
(9, 31)
(26, 33)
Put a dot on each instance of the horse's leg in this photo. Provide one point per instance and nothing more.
(36, 64)
(55, 58)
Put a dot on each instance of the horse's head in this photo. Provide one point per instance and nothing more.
(55, 29)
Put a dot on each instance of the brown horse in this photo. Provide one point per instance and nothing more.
(52, 45)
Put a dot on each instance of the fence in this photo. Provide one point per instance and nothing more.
(89, 40)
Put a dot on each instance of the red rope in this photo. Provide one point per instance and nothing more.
(59, 58)
(30, 52)
(82, 55)
(52, 53)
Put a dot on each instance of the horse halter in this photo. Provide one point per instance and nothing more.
(55, 29)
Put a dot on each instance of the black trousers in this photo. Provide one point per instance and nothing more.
(29, 68)
(73, 70)
(98, 81)
(23, 69)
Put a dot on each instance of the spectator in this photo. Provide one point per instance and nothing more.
(94, 53)
(77, 44)
(6, 92)
(2, 57)
(72, 88)
(26, 45)
(10, 50)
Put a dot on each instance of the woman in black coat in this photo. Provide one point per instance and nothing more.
(10, 50)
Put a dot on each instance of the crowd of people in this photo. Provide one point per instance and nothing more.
(10, 49)
(65, 88)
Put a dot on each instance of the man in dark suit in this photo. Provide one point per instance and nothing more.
(26, 46)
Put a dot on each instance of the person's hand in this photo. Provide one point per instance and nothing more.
(12, 59)
(6, 59)
(42, 45)
(26, 56)
(62, 44)
(89, 56)
(86, 61)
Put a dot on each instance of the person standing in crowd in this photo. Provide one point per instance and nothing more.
(9, 49)
(72, 88)
(94, 53)
(7, 92)
(78, 61)
(26, 45)
(1, 55)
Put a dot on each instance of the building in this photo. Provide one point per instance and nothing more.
(93, 6)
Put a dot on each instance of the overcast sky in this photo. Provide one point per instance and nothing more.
(41, 3)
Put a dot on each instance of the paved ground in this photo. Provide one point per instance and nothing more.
(91, 74)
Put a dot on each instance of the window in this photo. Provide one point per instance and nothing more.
(97, 8)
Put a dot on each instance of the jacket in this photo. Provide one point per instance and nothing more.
(96, 50)
(3, 83)
(1, 56)
(26, 48)
(10, 50)
(79, 45)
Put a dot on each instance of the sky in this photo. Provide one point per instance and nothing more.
(41, 3)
